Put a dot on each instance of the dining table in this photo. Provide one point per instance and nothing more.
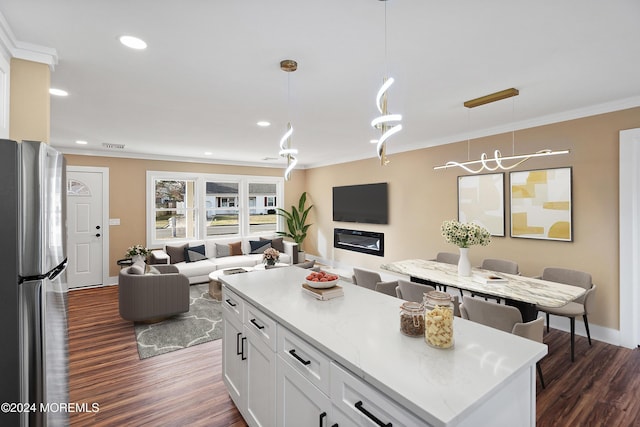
(524, 293)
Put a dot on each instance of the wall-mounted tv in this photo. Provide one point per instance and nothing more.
(365, 203)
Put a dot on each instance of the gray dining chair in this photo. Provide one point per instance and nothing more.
(579, 307)
(505, 318)
(501, 266)
(447, 258)
(411, 291)
(372, 280)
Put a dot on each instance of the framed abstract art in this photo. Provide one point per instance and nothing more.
(541, 204)
(481, 201)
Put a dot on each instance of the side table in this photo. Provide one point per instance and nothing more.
(125, 262)
(215, 285)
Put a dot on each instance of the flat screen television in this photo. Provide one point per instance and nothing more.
(365, 203)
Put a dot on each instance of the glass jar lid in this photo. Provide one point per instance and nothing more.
(412, 307)
(439, 297)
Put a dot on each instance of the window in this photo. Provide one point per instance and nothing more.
(262, 215)
(182, 207)
(175, 211)
(224, 218)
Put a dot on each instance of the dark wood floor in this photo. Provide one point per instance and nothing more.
(601, 388)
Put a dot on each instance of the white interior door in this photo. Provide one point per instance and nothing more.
(630, 238)
(85, 228)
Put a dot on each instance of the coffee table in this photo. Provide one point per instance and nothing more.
(215, 285)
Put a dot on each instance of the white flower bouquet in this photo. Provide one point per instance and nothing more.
(136, 250)
(464, 235)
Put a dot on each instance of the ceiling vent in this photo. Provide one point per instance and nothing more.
(113, 146)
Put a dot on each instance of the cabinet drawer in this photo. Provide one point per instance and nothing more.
(311, 363)
(232, 304)
(365, 405)
(261, 325)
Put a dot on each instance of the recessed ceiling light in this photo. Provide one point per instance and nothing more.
(133, 42)
(58, 92)
(263, 124)
(208, 153)
(81, 142)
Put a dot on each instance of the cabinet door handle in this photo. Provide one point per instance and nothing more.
(298, 358)
(242, 357)
(322, 417)
(238, 352)
(231, 303)
(256, 324)
(369, 415)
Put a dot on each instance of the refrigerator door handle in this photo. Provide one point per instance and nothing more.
(57, 270)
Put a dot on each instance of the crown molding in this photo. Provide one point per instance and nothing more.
(12, 48)
(579, 113)
(164, 158)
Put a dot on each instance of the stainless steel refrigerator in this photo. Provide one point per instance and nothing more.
(33, 289)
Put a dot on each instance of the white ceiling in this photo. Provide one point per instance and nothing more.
(211, 71)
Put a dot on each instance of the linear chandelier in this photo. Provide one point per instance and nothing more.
(497, 158)
(388, 124)
(288, 66)
(494, 163)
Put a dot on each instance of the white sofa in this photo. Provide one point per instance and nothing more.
(198, 271)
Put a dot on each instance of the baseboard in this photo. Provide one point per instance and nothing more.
(598, 333)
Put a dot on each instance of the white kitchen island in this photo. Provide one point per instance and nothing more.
(292, 360)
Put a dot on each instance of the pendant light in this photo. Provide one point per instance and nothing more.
(388, 124)
(490, 164)
(288, 66)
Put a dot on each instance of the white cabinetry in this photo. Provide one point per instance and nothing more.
(300, 403)
(249, 360)
(326, 363)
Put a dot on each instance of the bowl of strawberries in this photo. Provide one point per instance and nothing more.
(321, 279)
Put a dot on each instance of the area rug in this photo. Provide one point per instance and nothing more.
(202, 323)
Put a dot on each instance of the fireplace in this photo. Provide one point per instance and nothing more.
(367, 242)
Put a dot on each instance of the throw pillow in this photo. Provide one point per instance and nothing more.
(276, 243)
(222, 250)
(194, 253)
(137, 267)
(259, 246)
(235, 248)
(176, 253)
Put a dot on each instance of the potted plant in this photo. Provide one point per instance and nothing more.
(296, 223)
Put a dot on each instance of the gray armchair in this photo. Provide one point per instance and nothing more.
(152, 297)
(372, 280)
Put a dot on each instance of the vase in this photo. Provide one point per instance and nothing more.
(464, 265)
(137, 258)
(270, 262)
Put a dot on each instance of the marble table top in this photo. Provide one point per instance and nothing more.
(517, 288)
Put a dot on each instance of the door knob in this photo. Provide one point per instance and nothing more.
(98, 235)
(97, 227)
